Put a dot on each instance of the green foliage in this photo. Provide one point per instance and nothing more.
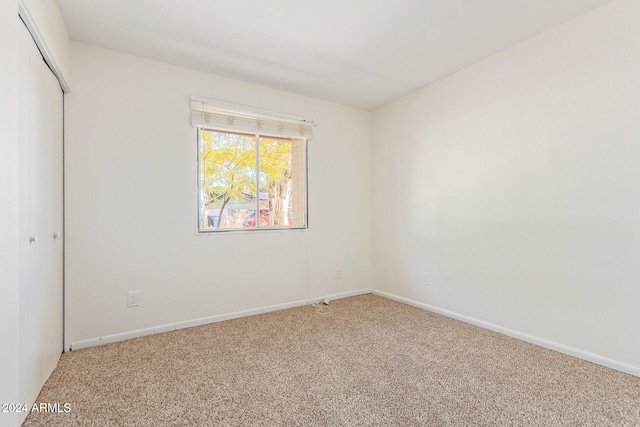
(275, 159)
(227, 162)
(275, 163)
(228, 170)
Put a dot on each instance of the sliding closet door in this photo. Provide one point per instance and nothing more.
(41, 221)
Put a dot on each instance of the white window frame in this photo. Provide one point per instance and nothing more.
(272, 119)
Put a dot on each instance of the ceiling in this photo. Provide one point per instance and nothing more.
(362, 53)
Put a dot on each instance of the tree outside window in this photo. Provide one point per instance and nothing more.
(250, 181)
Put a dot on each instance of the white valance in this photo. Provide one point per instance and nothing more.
(206, 113)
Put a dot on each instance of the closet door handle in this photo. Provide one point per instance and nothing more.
(55, 235)
(33, 239)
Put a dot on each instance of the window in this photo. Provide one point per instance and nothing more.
(251, 168)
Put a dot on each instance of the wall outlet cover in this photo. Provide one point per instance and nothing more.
(133, 298)
(424, 278)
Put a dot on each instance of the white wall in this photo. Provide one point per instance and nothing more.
(514, 183)
(9, 220)
(131, 206)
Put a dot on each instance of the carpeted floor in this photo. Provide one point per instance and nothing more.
(361, 361)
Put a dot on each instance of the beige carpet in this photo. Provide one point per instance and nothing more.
(362, 361)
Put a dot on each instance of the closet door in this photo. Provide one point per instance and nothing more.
(41, 220)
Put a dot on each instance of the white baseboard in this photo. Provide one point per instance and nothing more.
(580, 354)
(137, 333)
(77, 345)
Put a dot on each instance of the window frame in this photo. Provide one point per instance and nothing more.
(305, 186)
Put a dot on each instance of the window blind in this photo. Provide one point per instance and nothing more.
(212, 114)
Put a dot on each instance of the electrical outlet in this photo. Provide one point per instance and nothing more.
(425, 278)
(133, 298)
(338, 273)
